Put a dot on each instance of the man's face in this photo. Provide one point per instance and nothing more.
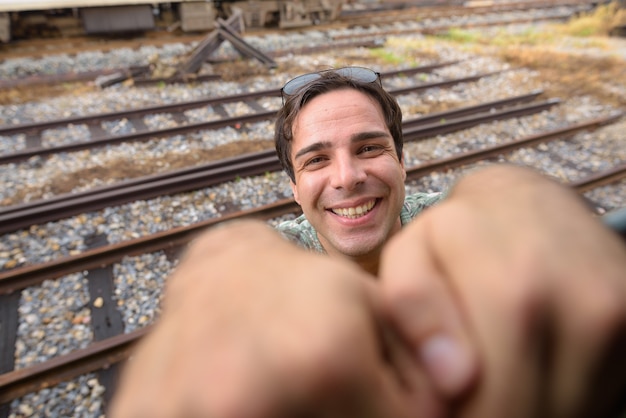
(349, 181)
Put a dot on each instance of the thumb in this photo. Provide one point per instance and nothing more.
(422, 306)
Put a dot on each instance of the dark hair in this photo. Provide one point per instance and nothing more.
(330, 81)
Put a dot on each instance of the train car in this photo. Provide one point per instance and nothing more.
(40, 18)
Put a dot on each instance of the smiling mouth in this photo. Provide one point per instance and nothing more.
(355, 212)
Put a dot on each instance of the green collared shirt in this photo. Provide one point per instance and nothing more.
(301, 232)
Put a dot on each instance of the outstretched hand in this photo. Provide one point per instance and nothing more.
(509, 288)
(254, 327)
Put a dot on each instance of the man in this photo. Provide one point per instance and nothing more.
(506, 298)
(343, 154)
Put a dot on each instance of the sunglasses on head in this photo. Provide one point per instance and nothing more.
(360, 74)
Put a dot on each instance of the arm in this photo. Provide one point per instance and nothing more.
(512, 276)
(255, 327)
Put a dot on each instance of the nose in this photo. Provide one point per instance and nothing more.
(348, 172)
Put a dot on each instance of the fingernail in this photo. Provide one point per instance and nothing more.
(449, 365)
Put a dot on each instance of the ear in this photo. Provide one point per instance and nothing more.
(294, 190)
(403, 168)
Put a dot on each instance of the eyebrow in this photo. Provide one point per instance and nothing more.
(358, 137)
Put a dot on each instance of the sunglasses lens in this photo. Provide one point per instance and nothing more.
(294, 85)
(361, 74)
(364, 75)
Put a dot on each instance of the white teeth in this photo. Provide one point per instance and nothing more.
(355, 212)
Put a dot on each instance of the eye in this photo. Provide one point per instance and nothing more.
(371, 149)
(318, 159)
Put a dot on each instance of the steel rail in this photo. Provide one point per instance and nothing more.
(442, 128)
(437, 10)
(17, 279)
(135, 137)
(422, 120)
(214, 173)
(471, 110)
(68, 77)
(532, 140)
(98, 355)
(178, 107)
(131, 113)
(125, 184)
(441, 28)
(600, 179)
(194, 180)
(443, 12)
(21, 277)
(147, 135)
(104, 192)
(103, 354)
(396, 9)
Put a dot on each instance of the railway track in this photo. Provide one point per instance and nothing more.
(24, 215)
(99, 265)
(455, 19)
(140, 74)
(111, 347)
(17, 279)
(99, 137)
(106, 353)
(415, 12)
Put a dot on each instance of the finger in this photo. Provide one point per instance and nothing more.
(424, 310)
(404, 384)
(503, 297)
(137, 388)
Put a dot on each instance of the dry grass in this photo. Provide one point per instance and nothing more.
(599, 22)
(572, 59)
(568, 75)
